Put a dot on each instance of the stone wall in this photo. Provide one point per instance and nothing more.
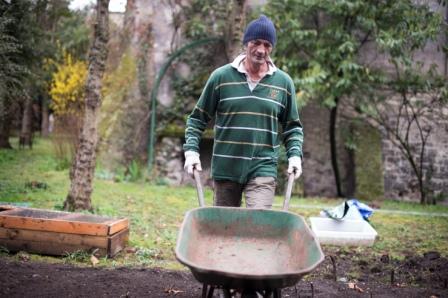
(170, 161)
(399, 179)
(318, 178)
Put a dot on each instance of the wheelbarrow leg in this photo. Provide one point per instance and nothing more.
(277, 293)
(210, 292)
(207, 292)
(204, 290)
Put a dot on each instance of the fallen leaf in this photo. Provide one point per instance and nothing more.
(131, 250)
(94, 260)
(173, 291)
(24, 257)
(359, 289)
(353, 286)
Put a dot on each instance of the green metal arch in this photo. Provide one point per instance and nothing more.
(155, 89)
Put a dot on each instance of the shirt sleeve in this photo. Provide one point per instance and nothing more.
(292, 127)
(202, 113)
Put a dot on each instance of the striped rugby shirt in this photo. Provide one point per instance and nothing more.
(249, 125)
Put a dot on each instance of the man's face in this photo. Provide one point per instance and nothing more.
(258, 51)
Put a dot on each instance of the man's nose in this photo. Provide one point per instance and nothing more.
(261, 50)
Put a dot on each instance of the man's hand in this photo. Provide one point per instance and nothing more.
(295, 166)
(192, 161)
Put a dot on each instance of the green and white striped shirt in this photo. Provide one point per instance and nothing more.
(249, 125)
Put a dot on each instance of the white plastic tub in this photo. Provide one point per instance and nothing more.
(344, 232)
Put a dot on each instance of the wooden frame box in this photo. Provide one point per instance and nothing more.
(58, 233)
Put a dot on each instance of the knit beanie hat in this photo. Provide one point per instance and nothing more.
(261, 28)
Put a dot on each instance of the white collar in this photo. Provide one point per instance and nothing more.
(238, 65)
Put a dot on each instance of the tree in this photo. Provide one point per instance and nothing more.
(10, 73)
(204, 19)
(34, 48)
(68, 34)
(234, 35)
(72, 33)
(31, 25)
(322, 42)
(48, 15)
(83, 167)
(409, 102)
(13, 60)
(406, 111)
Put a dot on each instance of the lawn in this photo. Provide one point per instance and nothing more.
(36, 179)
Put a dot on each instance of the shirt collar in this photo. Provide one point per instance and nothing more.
(239, 65)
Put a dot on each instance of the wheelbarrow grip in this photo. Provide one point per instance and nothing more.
(197, 178)
(288, 192)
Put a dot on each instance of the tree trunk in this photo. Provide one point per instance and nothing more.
(4, 124)
(350, 183)
(45, 123)
(333, 148)
(237, 19)
(26, 138)
(83, 167)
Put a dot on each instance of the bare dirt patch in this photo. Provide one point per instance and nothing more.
(356, 276)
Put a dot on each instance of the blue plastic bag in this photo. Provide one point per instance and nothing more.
(365, 210)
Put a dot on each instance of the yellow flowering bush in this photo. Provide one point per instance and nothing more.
(67, 87)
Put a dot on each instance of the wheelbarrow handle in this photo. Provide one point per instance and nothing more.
(197, 178)
(288, 191)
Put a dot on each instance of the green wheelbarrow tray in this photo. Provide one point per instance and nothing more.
(239, 248)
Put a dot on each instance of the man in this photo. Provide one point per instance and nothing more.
(254, 107)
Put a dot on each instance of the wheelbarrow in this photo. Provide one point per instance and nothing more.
(246, 251)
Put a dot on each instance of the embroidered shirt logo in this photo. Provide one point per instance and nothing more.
(273, 93)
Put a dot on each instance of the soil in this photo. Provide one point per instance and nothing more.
(356, 276)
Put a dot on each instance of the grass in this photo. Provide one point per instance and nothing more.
(156, 212)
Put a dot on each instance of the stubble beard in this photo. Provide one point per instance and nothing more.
(258, 61)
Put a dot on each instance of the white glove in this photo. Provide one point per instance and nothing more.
(192, 161)
(295, 166)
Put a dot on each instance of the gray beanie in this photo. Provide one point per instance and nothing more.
(261, 28)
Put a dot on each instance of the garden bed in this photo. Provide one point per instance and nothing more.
(356, 276)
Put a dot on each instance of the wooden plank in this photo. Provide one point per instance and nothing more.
(118, 225)
(53, 225)
(117, 242)
(46, 248)
(55, 238)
